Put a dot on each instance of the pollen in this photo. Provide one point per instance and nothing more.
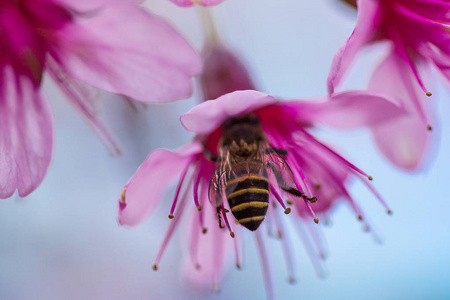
(122, 195)
(171, 216)
(429, 94)
(360, 217)
(205, 230)
(232, 234)
(155, 267)
(287, 211)
(389, 212)
(316, 220)
(290, 202)
(370, 178)
(429, 128)
(199, 208)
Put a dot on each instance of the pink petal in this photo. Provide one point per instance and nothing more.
(403, 141)
(207, 116)
(364, 31)
(142, 57)
(26, 141)
(87, 6)
(347, 110)
(189, 3)
(208, 255)
(146, 188)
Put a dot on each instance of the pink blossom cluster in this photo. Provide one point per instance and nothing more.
(121, 48)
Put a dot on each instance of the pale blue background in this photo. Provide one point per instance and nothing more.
(63, 242)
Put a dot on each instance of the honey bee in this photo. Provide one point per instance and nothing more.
(244, 165)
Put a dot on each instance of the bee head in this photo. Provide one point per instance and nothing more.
(242, 148)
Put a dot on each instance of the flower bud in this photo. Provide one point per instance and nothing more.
(223, 73)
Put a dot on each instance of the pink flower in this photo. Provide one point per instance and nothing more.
(189, 3)
(419, 34)
(298, 168)
(112, 45)
(223, 72)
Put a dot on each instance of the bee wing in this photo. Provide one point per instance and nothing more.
(222, 179)
(277, 166)
(217, 185)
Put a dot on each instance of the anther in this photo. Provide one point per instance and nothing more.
(389, 212)
(290, 202)
(226, 210)
(312, 199)
(318, 186)
(198, 267)
(238, 266)
(122, 195)
(199, 208)
(287, 211)
(232, 234)
(291, 280)
(360, 217)
(155, 267)
(370, 178)
(429, 94)
(205, 230)
(316, 220)
(171, 216)
(429, 128)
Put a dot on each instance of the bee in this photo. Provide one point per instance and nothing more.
(244, 166)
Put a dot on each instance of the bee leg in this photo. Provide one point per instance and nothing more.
(208, 155)
(297, 193)
(278, 151)
(219, 217)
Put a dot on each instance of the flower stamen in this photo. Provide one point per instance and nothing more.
(172, 227)
(227, 224)
(179, 185)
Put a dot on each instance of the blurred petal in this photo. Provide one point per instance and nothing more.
(84, 6)
(348, 110)
(26, 141)
(189, 3)
(403, 141)
(142, 57)
(364, 31)
(140, 197)
(208, 255)
(207, 116)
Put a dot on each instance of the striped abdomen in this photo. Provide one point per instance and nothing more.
(248, 197)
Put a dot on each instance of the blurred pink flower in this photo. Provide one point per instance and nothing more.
(189, 3)
(419, 33)
(112, 45)
(223, 72)
(317, 171)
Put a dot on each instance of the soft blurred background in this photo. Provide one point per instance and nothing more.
(63, 241)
